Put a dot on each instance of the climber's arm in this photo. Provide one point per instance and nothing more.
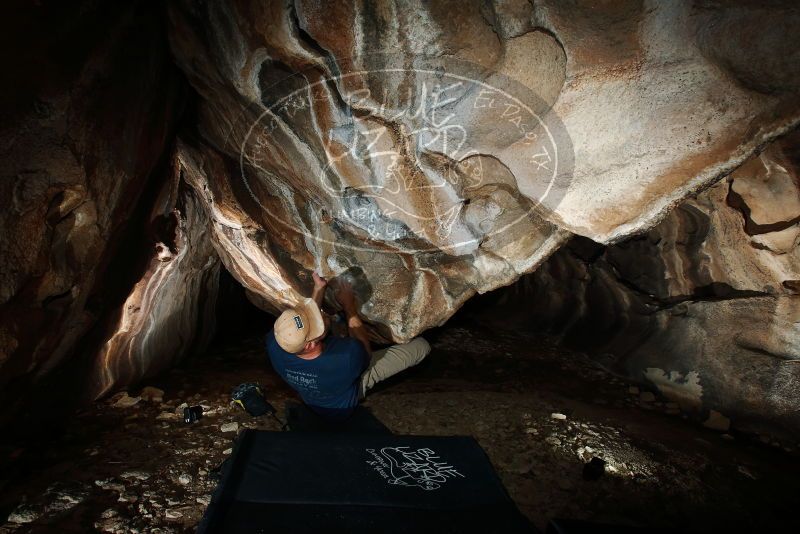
(355, 327)
(318, 292)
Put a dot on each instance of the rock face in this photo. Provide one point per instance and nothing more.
(436, 150)
(89, 114)
(170, 311)
(705, 307)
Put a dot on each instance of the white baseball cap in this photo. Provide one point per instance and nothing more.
(297, 326)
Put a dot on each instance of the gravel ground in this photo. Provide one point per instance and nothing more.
(567, 439)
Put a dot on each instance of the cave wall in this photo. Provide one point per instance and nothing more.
(171, 310)
(89, 110)
(705, 307)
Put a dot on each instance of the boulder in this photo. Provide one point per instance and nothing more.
(433, 152)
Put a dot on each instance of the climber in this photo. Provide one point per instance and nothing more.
(332, 374)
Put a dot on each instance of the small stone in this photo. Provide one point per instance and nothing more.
(108, 514)
(647, 396)
(203, 499)
(531, 430)
(553, 441)
(717, 421)
(746, 472)
(633, 390)
(179, 409)
(151, 394)
(167, 416)
(185, 479)
(125, 401)
(727, 437)
(110, 485)
(226, 452)
(63, 499)
(116, 396)
(559, 416)
(138, 475)
(173, 514)
(230, 427)
(23, 514)
(111, 524)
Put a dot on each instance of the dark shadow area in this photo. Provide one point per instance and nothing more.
(237, 317)
(34, 406)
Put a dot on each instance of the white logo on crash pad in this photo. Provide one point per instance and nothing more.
(403, 466)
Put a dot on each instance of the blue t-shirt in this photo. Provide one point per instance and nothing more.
(330, 383)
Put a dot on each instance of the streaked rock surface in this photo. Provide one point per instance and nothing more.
(646, 104)
(171, 310)
(83, 143)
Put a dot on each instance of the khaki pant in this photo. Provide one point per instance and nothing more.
(390, 361)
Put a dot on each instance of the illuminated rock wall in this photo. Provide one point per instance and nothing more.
(705, 307)
(442, 149)
(89, 107)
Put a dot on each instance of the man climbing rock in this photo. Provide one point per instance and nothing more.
(332, 373)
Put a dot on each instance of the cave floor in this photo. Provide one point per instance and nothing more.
(539, 411)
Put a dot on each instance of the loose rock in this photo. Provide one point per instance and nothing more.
(717, 421)
(230, 427)
(23, 514)
(152, 394)
(138, 475)
(172, 514)
(126, 401)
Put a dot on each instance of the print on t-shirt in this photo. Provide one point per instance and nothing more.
(330, 384)
(301, 380)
